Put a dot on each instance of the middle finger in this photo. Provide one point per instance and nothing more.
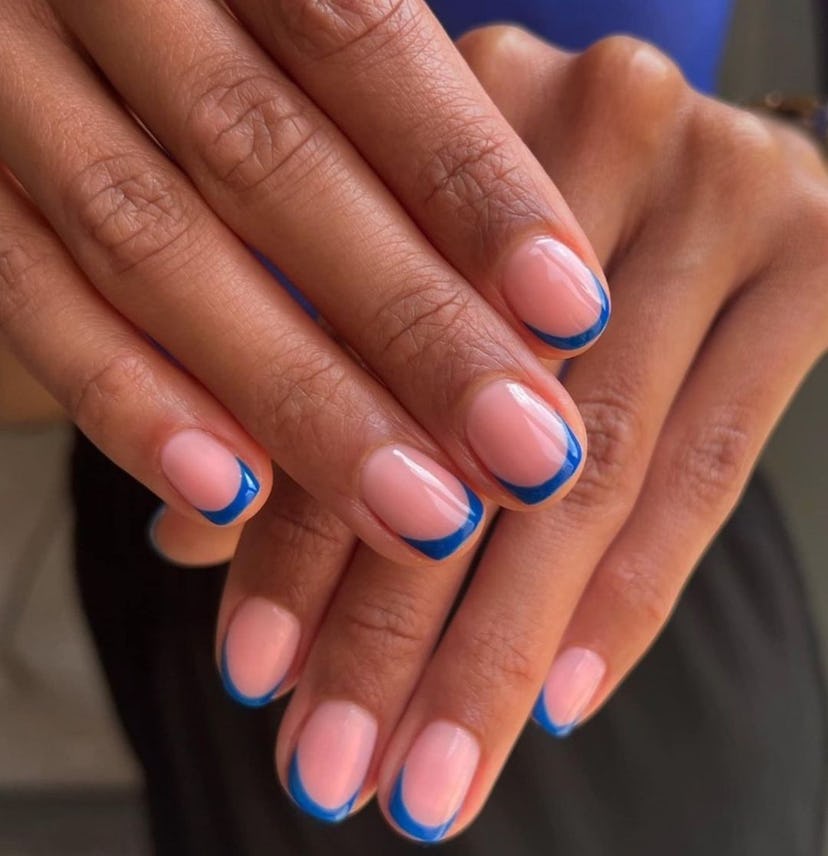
(284, 178)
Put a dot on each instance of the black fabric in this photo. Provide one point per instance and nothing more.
(715, 746)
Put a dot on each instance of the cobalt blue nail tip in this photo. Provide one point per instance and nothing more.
(440, 548)
(538, 493)
(541, 716)
(406, 822)
(580, 340)
(300, 796)
(233, 691)
(248, 489)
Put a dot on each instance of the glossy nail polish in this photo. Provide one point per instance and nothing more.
(433, 783)
(523, 442)
(424, 503)
(208, 475)
(258, 649)
(331, 759)
(555, 294)
(569, 688)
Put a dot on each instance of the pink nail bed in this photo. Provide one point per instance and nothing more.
(434, 781)
(208, 475)
(523, 442)
(569, 688)
(424, 503)
(555, 294)
(258, 649)
(331, 760)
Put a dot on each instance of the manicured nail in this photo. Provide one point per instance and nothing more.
(569, 688)
(524, 443)
(555, 294)
(152, 529)
(331, 760)
(259, 646)
(208, 475)
(434, 781)
(424, 503)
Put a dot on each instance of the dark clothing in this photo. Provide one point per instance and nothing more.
(715, 746)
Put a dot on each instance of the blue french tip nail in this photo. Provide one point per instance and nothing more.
(440, 548)
(151, 528)
(234, 693)
(542, 718)
(401, 816)
(248, 489)
(301, 797)
(538, 493)
(580, 340)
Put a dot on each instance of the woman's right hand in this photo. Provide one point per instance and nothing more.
(105, 242)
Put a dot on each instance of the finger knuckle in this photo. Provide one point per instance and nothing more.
(290, 392)
(322, 29)
(21, 265)
(498, 654)
(414, 323)
(492, 49)
(102, 397)
(249, 134)
(636, 590)
(130, 211)
(385, 625)
(736, 152)
(305, 529)
(611, 472)
(473, 176)
(635, 84)
(711, 465)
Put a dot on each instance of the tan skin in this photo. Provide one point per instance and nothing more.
(710, 222)
(392, 209)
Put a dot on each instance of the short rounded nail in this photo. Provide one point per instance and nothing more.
(569, 688)
(152, 530)
(258, 649)
(555, 294)
(431, 787)
(208, 475)
(331, 760)
(523, 442)
(428, 507)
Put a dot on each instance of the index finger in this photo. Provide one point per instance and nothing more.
(389, 76)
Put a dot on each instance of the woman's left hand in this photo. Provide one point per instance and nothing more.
(712, 226)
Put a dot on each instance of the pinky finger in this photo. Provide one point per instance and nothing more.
(182, 541)
(733, 397)
(147, 415)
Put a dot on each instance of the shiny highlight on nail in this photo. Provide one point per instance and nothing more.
(580, 340)
(248, 490)
(534, 494)
(440, 548)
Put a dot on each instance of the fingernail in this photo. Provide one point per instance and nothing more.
(424, 503)
(555, 294)
(524, 443)
(208, 475)
(258, 649)
(434, 781)
(569, 688)
(331, 760)
(152, 530)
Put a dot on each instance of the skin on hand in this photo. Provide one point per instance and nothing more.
(415, 220)
(710, 222)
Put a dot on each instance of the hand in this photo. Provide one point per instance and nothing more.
(711, 223)
(384, 183)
